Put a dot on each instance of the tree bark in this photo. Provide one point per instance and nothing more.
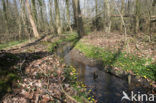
(74, 12)
(52, 24)
(68, 14)
(57, 18)
(5, 15)
(108, 17)
(36, 34)
(78, 17)
(18, 19)
(122, 13)
(96, 10)
(137, 16)
(34, 12)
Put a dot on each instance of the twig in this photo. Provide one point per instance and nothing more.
(37, 98)
(51, 94)
(21, 67)
(71, 98)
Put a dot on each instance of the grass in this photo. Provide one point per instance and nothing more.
(128, 62)
(9, 44)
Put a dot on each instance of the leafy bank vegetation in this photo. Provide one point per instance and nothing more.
(127, 62)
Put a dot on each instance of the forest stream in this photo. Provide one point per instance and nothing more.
(105, 87)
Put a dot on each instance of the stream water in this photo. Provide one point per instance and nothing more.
(105, 87)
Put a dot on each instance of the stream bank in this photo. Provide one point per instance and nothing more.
(35, 74)
(104, 86)
(111, 54)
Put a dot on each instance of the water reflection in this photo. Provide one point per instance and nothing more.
(105, 87)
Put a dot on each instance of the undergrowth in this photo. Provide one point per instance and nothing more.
(9, 44)
(7, 75)
(82, 92)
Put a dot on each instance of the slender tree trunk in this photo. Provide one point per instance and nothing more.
(52, 25)
(36, 34)
(41, 21)
(57, 18)
(137, 16)
(18, 20)
(78, 17)
(128, 7)
(96, 10)
(34, 12)
(68, 14)
(5, 15)
(24, 18)
(16, 8)
(108, 17)
(74, 12)
(122, 12)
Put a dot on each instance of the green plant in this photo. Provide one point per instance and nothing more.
(12, 43)
(128, 62)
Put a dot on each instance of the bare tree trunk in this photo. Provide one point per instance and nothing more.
(36, 34)
(52, 25)
(24, 18)
(41, 21)
(16, 8)
(34, 12)
(122, 12)
(78, 17)
(128, 7)
(108, 16)
(96, 10)
(137, 16)
(75, 15)
(68, 15)
(57, 18)
(18, 20)
(5, 15)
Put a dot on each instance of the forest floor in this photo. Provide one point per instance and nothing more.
(113, 42)
(33, 74)
(110, 49)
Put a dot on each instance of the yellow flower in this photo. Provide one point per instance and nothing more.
(89, 98)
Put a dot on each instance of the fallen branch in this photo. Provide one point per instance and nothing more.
(71, 98)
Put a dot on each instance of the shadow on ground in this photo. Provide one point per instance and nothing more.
(11, 65)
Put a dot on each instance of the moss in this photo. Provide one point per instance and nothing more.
(123, 60)
(6, 82)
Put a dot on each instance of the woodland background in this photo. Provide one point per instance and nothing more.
(57, 16)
